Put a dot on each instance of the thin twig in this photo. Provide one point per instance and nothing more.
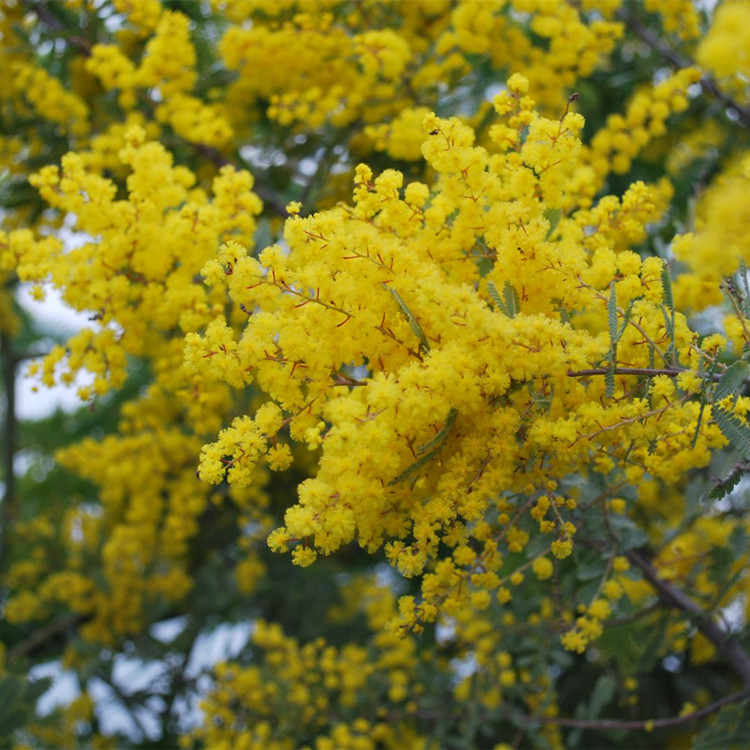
(671, 372)
(10, 427)
(39, 636)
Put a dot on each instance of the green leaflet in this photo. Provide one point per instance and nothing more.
(429, 450)
(409, 470)
(745, 301)
(609, 381)
(698, 423)
(669, 314)
(553, 216)
(442, 435)
(509, 304)
(612, 315)
(729, 729)
(732, 380)
(666, 285)
(737, 432)
(625, 321)
(723, 487)
(602, 694)
(609, 377)
(495, 295)
(413, 323)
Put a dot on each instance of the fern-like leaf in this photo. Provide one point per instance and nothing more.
(732, 380)
(413, 322)
(729, 729)
(734, 430)
(512, 302)
(745, 302)
(612, 315)
(666, 285)
(438, 440)
(497, 299)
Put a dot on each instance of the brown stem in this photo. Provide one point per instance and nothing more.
(707, 83)
(39, 636)
(41, 10)
(674, 597)
(8, 365)
(644, 724)
(671, 372)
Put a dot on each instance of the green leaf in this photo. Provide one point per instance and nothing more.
(612, 315)
(496, 298)
(592, 569)
(18, 697)
(429, 450)
(625, 321)
(745, 302)
(512, 303)
(17, 192)
(413, 323)
(698, 423)
(725, 486)
(418, 464)
(629, 535)
(442, 435)
(509, 304)
(553, 216)
(737, 432)
(730, 729)
(602, 694)
(732, 380)
(609, 375)
(666, 285)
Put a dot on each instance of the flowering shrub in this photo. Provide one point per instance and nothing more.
(419, 341)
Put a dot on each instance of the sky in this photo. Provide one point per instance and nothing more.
(54, 315)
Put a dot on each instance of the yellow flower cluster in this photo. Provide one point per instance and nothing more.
(721, 219)
(46, 97)
(142, 291)
(428, 395)
(614, 147)
(316, 682)
(679, 17)
(724, 49)
(315, 67)
(167, 73)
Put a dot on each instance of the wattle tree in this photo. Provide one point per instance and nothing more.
(417, 349)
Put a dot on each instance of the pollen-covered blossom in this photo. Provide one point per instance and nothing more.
(377, 332)
(141, 290)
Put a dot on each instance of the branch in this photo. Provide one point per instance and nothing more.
(56, 26)
(670, 595)
(644, 724)
(648, 371)
(671, 372)
(8, 366)
(39, 636)
(707, 83)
